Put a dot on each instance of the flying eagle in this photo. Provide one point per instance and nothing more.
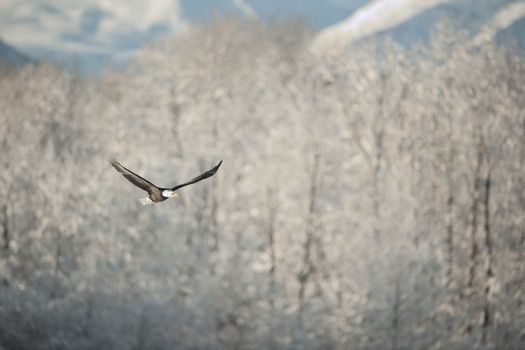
(157, 194)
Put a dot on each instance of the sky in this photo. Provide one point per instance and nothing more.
(116, 29)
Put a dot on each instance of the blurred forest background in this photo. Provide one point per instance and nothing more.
(369, 199)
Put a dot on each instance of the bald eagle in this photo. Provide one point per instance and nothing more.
(157, 194)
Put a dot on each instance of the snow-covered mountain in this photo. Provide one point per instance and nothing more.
(91, 33)
(410, 20)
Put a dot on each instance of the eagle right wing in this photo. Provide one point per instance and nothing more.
(201, 177)
(135, 179)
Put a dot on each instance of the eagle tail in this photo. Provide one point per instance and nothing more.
(146, 201)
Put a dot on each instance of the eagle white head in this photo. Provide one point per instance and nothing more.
(169, 193)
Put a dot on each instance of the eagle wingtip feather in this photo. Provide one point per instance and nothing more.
(110, 158)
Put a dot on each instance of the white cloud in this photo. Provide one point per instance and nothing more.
(141, 14)
(371, 18)
(56, 24)
(503, 19)
(245, 9)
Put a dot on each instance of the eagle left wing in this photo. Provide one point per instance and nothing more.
(135, 179)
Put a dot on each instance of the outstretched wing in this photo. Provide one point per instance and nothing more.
(135, 179)
(201, 177)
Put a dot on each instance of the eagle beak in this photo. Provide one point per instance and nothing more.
(175, 195)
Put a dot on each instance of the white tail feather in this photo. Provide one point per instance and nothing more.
(145, 201)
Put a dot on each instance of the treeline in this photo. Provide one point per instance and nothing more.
(368, 199)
